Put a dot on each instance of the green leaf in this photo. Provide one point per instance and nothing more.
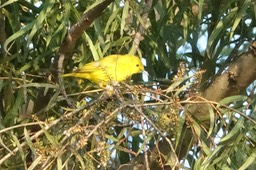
(41, 85)
(122, 133)
(13, 112)
(21, 150)
(212, 157)
(92, 47)
(177, 82)
(78, 158)
(212, 120)
(49, 137)
(242, 12)
(200, 9)
(220, 28)
(59, 163)
(99, 33)
(38, 23)
(18, 34)
(231, 99)
(8, 3)
(145, 142)
(36, 162)
(235, 130)
(124, 17)
(110, 21)
(112, 138)
(249, 161)
(53, 100)
(29, 142)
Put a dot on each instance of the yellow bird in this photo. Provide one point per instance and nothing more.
(110, 69)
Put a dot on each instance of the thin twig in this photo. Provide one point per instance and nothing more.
(75, 32)
(55, 122)
(144, 143)
(108, 118)
(21, 125)
(160, 132)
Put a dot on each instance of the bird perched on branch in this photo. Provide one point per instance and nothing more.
(110, 69)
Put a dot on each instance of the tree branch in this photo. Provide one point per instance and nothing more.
(66, 48)
(77, 30)
(239, 75)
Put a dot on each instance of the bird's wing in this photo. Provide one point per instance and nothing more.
(108, 64)
(90, 67)
(104, 63)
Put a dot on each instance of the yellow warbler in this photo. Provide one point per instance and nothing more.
(110, 69)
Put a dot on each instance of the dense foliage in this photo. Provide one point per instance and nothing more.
(164, 118)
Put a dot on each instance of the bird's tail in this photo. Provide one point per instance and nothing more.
(67, 75)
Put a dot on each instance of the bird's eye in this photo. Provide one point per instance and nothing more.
(137, 65)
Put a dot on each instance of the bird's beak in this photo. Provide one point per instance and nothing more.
(142, 69)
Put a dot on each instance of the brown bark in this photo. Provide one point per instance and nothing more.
(75, 32)
(66, 49)
(77, 29)
(238, 76)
